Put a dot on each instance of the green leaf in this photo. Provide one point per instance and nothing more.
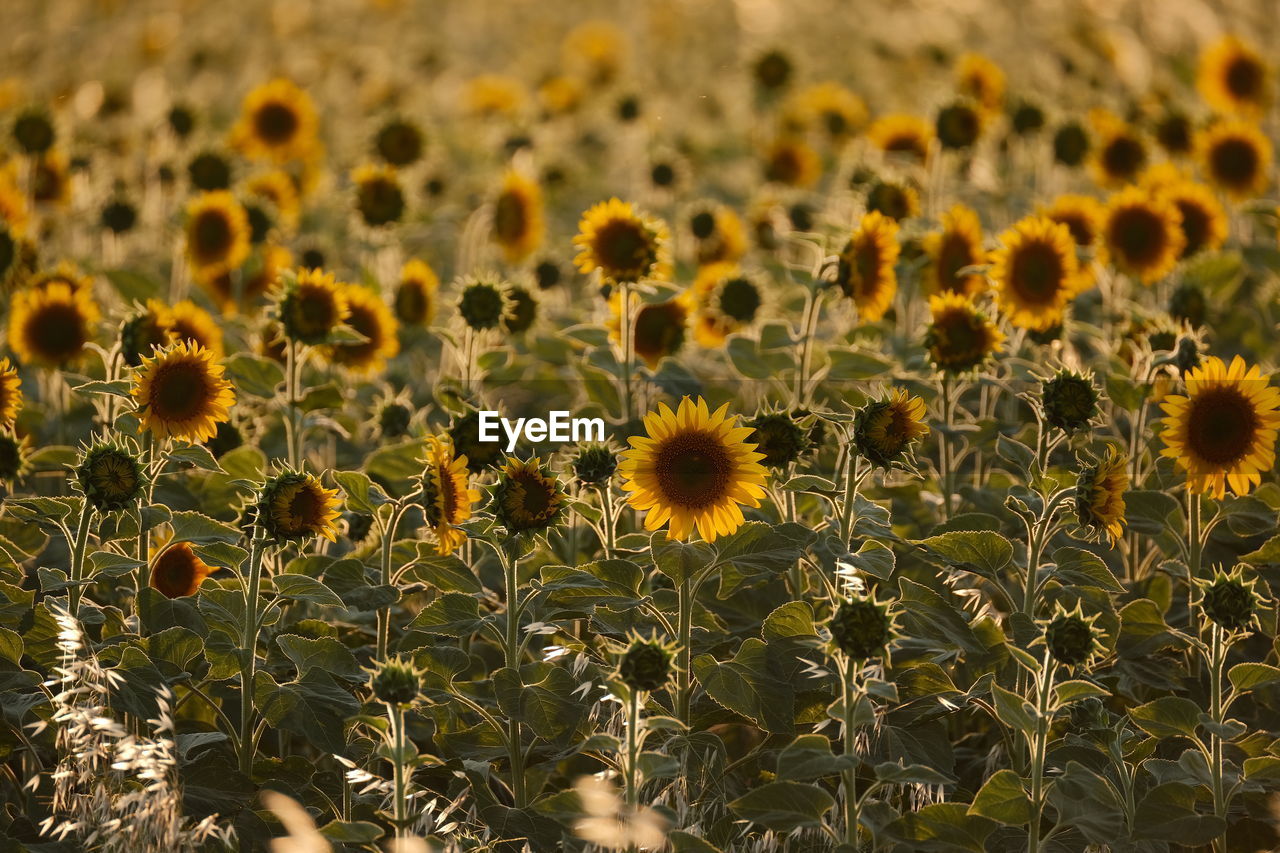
(1250, 676)
(133, 286)
(1013, 710)
(253, 375)
(1074, 691)
(1085, 800)
(324, 653)
(1168, 716)
(452, 614)
(983, 552)
(784, 806)
(1078, 567)
(1268, 554)
(313, 707)
(1003, 799)
(943, 826)
(896, 773)
(749, 685)
(351, 831)
(684, 842)
(764, 547)
(1150, 512)
(362, 495)
(1168, 813)
(446, 572)
(305, 588)
(679, 560)
(873, 558)
(809, 757)
(199, 529)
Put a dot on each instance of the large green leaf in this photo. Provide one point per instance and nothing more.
(1003, 799)
(784, 806)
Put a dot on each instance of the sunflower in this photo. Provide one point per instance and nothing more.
(523, 310)
(277, 122)
(790, 161)
(560, 94)
(464, 432)
(960, 337)
(148, 328)
(484, 302)
(1223, 430)
(52, 325)
(1203, 220)
(901, 134)
(415, 299)
(1142, 234)
(1236, 158)
(1035, 273)
(177, 571)
(446, 498)
(622, 243)
(294, 505)
(278, 188)
(256, 278)
(884, 431)
(111, 476)
(191, 323)
(727, 302)
(51, 179)
(528, 497)
(830, 106)
(311, 306)
(379, 196)
(595, 49)
(1099, 495)
(956, 246)
(217, 232)
(15, 451)
(369, 316)
(491, 95)
(1173, 132)
(894, 199)
(981, 79)
(400, 142)
(661, 328)
(1233, 77)
(719, 234)
(518, 225)
(18, 258)
(694, 469)
(865, 271)
(13, 205)
(959, 124)
(182, 393)
(10, 393)
(1120, 153)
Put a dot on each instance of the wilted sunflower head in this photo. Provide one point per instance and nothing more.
(371, 318)
(865, 269)
(862, 628)
(1099, 496)
(1236, 158)
(311, 305)
(1069, 400)
(1223, 430)
(181, 392)
(217, 233)
(960, 337)
(1142, 234)
(1229, 600)
(957, 246)
(791, 161)
(399, 142)
(294, 505)
(1071, 637)
(646, 664)
(379, 197)
(1071, 144)
(110, 476)
(622, 243)
(10, 393)
(528, 498)
(52, 324)
(484, 302)
(396, 681)
(1233, 77)
(902, 135)
(1036, 273)
(885, 431)
(14, 452)
(594, 463)
(277, 122)
(178, 571)
(693, 468)
(518, 223)
(446, 497)
(780, 437)
(415, 299)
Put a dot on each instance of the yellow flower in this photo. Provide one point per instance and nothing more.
(960, 337)
(1035, 273)
(1121, 152)
(10, 393)
(494, 94)
(1100, 492)
(295, 505)
(177, 571)
(902, 134)
(884, 430)
(191, 323)
(895, 199)
(831, 107)
(792, 162)
(369, 316)
(726, 241)
(560, 94)
(1233, 77)
(726, 302)
(595, 49)
(1202, 218)
(623, 244)
(278, 188)
(693, 469)
(217, 232)
(182, 393)
(415, 299)
(1236, 158)
(527, 496)
(518, 224)
(981, 79)
(379, 198)
(1223, 430)
(446, 498)
(956, 246)
(866, 266)
(311, 306)
(277, 122)
(51, 325)
(660, 327)
(1142, 234)
(257, 276)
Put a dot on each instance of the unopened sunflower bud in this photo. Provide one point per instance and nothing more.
(862, 628)
(645, 665)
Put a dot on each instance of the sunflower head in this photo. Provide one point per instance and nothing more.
(1142, 234)
(10, 393)
(181, 393)
(464, 432)
(1223, 430)
(1187, 354)
(957, 246)
(399, 142)
(980, 78)
(484, 303)
(278, 188)
(792, 162)
(1036, 273)
(34, 132)
(209, 171)
(865, 269)
(772, 70)
(1027, 118)
(886, 431)
(1121, 152)
(396, 681)
(622, 243)
(1071, 637)
(294, 506)
(524, 310)
(1201, 216)
(1173, 132)
(1229, 600)
(518, 225)
(959, 124)
(446, 497)
(394, 417)
(415, 299)
(1233, 77)
(1071, 144)
(110, 476)
(661, 328)
(191, 323)
(52, 324)
(311, 305)
(646, 664)
(594, 464)
(146, 329)
(960, 337)
(693, 468)
(528, 498)
(862, 628)
(118, 216)
(178, 571)
(217, 233)
(1236, 157)
(895, 200)
(379, 197)
(780, 437)
(358, 526)
(727, 302)
(14, 452)
(371, 318)
(1099, 495)
(1069, 400)
(902, 135)
(277, 122)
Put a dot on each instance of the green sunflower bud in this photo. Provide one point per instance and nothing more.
(645, 665)
(1071, 637)
(1069, 400)
(862, 628)
(779, 438)
(484, 304)
(1229, 600)
(396, 682)
(110, 477)
(594, 464)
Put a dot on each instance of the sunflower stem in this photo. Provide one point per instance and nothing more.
(249, 648)
(515, 751)
(400, 795)
(852, 694)
(610, 520)
(944, 449)
(1217, 662)
(632, 792)
(627, 332)
(684, 630)
(809, 327)
(78, 548)
(292, 438)
(1039, 748)
(388, 541)
(847, 514)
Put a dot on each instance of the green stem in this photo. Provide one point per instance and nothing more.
(847, 517)
(400, 803)
(851, 691)
(627, 332)
(78, 548)
(1217, 660)
(633, 748)
(809, 325)
(1039, 748)
(384, 613)
(515, 750)
(249, 648)
(1194, 546)
(684, 631)
(292, 428)
(610, 520)
(944, 450)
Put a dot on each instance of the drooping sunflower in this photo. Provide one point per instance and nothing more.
(1223, 430)
(446, 497)
(15, 452)
(902, 135)
(833, 108)
(177, 571)
(1099, 496)
(311, 306)
(528, 497)
(960, 337)
(981, 79)
(51, 325)
(148, 328)
(295, 505)
(1035, 273)
(181, 393)
(1233, 77)
(277, 122)
(865, 271)
(884, 431)
(1236, 158)
(1142, 234)
(1202, 219)
(661, 328)
(896, 200)
(1120, 153)
(10, 393)
(792, 162)
(415, 299)
(218, 234)
(693, 469)
(189, 322)
(956, 246)
(380, 199)
(622, 243)
(369, 316)
(278, 188)
(719, 235)
(518, 224)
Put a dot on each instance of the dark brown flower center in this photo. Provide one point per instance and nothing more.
(1124, 157)
(179, 391)
(1037, 273)
(954, 254)
(1244, 78)
(693, 469)
(1138, 235)
(211, 235)
(1221, 426)
(509, 219)
(1195, 226)
(623, 246)
(275, 123)
(1234, 162)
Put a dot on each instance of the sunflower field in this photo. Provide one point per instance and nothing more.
(680, 425)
